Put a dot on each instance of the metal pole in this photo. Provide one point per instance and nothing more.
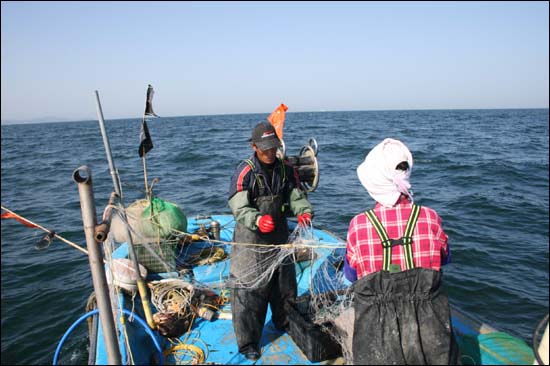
(145, 177)
(142, 288)
(95, 256)
(114, 175)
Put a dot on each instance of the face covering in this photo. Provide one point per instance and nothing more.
(378, 175)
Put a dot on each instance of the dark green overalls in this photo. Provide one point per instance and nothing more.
(402, 318)
(249, 263)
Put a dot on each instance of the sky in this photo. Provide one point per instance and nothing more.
(209, 58)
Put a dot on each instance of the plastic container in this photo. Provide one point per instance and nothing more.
(316, 345)
(124, 274)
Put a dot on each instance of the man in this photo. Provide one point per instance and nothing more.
(264, 191)
(395, 252)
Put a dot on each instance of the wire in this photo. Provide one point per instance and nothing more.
(96, 311)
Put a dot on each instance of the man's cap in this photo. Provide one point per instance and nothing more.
(264, 136)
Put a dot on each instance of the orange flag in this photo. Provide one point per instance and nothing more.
(277, 119)
(9, 215)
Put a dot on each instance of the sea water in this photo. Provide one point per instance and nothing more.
(484, 171)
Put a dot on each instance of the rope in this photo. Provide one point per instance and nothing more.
(196, 352)
(76, 246)
(288, 245)
(172, 296)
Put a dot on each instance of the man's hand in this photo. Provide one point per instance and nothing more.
(266, 224)
(304, 219)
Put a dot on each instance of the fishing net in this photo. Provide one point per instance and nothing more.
(322, 324)
(321, 319)
(153, 226)
(322, 316)
(327, 305)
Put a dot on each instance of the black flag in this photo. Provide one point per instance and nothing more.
(146, 143)
(149, 102)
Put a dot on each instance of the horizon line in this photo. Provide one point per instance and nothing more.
(59, 120)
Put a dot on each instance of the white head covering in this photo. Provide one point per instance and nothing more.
(379, 176)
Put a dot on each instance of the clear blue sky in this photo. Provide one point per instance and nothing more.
(247, 57)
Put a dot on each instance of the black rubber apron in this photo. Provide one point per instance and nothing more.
(402, 318)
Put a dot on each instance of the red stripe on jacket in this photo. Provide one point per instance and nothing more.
(241, 178)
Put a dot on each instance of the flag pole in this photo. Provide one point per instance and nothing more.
(148, 195)
(142, 288)
(146, 143)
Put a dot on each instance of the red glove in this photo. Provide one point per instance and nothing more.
(304, 219)
(266, 224)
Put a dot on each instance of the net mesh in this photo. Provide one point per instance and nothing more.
(318, 266)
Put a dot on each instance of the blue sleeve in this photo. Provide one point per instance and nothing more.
(447, 259)
(350, 273)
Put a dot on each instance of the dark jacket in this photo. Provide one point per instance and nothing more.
(248, 183)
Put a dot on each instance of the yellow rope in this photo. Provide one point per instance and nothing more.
(224, 297)
(197, 351)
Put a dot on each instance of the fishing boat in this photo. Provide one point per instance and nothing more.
(161, 292)
(211, 340)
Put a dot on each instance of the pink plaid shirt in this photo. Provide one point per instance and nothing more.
(364, 247)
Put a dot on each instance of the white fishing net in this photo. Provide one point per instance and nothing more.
(326, 296)
(328, 302)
